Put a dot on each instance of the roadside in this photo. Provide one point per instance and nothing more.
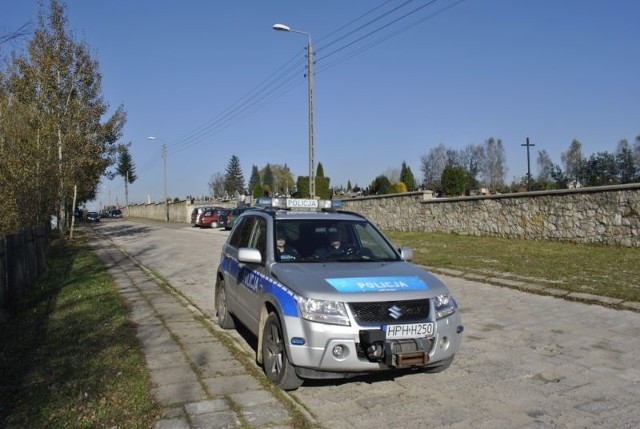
(539, 286)
(201, 378)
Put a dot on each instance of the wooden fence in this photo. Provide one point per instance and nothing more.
(22, 262)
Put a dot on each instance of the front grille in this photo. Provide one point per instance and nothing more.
(381, 312)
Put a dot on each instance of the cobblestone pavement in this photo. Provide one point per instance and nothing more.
(196, 378)
(527, 361)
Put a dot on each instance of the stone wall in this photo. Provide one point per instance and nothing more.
(599, 215)
(604, 215)
(178, 211)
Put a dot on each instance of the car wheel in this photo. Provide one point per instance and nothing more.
(439, 366)
(275, 362)
(225, 320)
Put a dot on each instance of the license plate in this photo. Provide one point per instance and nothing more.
(409, 330)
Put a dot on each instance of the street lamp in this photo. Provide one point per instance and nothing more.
(164, 156)
(312, 175)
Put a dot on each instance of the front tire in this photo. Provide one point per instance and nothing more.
(225, 320)
(275, 362)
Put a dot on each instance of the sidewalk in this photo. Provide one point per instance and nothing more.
(196, 378)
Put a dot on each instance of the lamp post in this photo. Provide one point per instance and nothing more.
(312, 176)
(164, 156)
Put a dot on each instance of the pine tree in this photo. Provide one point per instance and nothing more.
(126, 169)
(406, 177)
(255, 180)
(234, 179)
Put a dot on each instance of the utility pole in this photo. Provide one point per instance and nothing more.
(312, 175)
(166, 203)
(528, 145)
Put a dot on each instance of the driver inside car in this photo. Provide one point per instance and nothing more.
(334, 249)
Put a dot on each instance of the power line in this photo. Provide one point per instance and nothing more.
(283, 80)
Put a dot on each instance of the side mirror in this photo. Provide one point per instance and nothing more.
(406, 253)
(249, 255)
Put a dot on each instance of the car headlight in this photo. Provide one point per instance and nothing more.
(317, 310)
(445, 306)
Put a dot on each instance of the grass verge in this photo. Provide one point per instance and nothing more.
(68, 355)
(598, 270)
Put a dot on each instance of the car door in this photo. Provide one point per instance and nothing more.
(252, 277)
(233, 269)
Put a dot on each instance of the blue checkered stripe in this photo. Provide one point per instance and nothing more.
(254, 279)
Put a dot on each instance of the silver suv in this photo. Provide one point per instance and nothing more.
(328, 296)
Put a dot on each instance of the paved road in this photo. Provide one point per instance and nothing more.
(527, 361)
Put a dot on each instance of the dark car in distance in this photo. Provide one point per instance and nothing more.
(224, 216)
(93, 217)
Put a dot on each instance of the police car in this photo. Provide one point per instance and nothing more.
(328, 296)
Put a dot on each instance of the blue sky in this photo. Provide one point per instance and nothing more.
(550, 70)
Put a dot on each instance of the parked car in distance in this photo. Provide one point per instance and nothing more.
(209, 218)
(116, 214)
(195, 215)
(93, 217)
(235, 213)
(224, 216)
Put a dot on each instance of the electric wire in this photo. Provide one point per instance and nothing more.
(287, 77)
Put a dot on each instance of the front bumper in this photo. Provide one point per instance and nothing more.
(348, 350)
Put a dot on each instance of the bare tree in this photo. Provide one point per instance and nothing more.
(545, 166)
(493, 167)
(216, 185)
(433, 164)
(573, 160)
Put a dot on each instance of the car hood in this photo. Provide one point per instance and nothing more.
(362, 281)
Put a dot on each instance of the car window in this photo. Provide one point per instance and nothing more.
(242, 232)
(259, 237)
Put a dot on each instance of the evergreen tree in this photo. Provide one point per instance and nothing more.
(255, 180)
(234, 179)
(126, 169)
(454, 181)
(267, 178)
(380, 186)
(406, 177)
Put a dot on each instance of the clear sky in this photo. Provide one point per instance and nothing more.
(212, 79)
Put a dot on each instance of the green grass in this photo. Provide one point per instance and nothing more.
(69, 357)
(598, 270)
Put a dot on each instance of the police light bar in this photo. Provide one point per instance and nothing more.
(298, 203)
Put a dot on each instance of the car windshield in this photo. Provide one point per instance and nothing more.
(313, 240)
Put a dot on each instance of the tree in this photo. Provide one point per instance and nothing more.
(545, 166)
(572, 160)
(380, 185)
(126, 169)
(234, 179)
(267, 178)
(432, 166)
(255, 181)
(323, 188)
(398, 188)
(57, 89)
(470, 159)
(492, 166)
(626, 163)
(454, 181)
(600, 169)
(216, 185)
(406, 177)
